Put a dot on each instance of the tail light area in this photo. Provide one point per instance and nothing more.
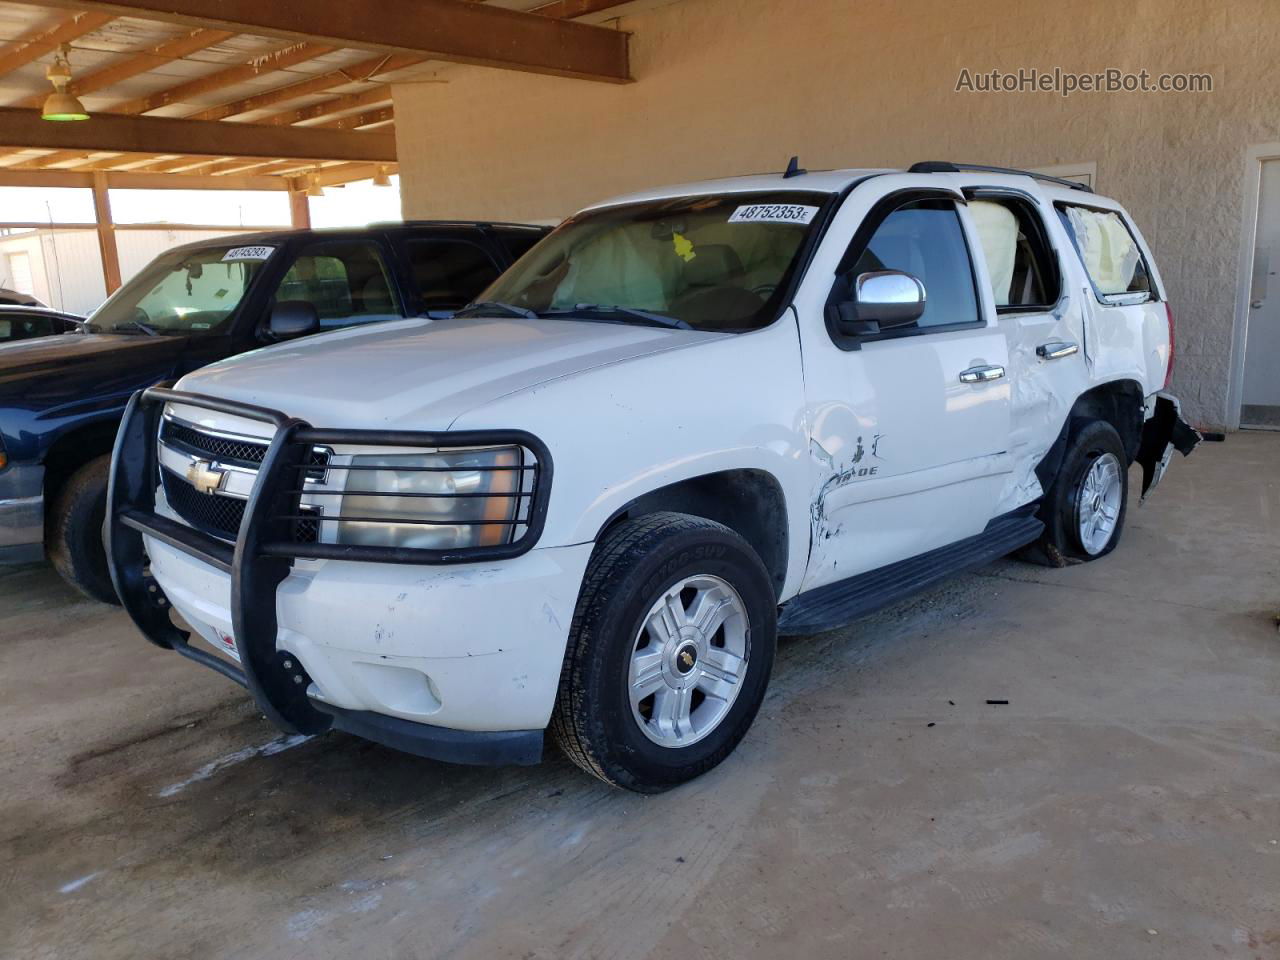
(1168, 373)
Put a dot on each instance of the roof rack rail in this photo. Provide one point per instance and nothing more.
(947, 166)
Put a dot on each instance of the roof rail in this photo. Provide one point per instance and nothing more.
(947, 166)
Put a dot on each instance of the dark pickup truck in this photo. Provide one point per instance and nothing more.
(61, 398)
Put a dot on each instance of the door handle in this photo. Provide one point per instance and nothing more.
(983, 374)
(1056, 350)
(1255, 304)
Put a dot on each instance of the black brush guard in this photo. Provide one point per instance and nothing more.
(262, 556)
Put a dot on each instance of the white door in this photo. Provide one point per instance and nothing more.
(1261, 397)
(907, 455)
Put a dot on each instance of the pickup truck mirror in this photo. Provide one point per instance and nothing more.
(883, 300)
(292, 318)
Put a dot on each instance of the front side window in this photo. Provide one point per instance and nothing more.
(449, 273)
(1109, 252)
(713, 262)
(184, 292)
(925, 239)
(346, 282)
(16, 326)
(1020, 262)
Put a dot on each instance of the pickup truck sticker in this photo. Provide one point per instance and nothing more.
(248, 253)
(774, 213)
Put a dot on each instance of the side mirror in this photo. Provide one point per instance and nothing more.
(882, 300)
(292, 318)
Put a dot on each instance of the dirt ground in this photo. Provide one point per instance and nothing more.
(1125, 802)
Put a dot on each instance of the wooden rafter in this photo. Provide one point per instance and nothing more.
(355, 121)
(110, 133)
(376, 96)
(279, 59)
(472, 33)
(355, 73)
(568, 9)
(174, 48)
(35, 44)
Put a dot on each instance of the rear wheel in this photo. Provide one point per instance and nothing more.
(73, 531)
(1084, 510)
(669, 655)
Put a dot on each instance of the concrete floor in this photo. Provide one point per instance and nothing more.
(1125, 803)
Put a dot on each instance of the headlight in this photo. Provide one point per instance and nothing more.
(437, 501)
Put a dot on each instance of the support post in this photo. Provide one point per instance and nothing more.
(299, 210)
(106, 233)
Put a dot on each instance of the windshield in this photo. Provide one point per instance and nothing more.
(714, 262)
(183, 292)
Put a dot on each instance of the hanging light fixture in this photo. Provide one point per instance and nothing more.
(61, 105)
(380, 179)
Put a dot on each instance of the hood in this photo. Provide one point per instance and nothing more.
(423, 374)
(72, 357)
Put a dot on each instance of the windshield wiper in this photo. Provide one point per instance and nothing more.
(600, 311)
(146, 328)
(509, 308)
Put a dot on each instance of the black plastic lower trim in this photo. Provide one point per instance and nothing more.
(475, 747)
(836, 604)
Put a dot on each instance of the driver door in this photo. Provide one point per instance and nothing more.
(910, 432)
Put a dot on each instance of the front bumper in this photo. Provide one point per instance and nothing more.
(22, 513)
(458, 662)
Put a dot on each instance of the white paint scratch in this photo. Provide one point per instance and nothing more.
(270, 748)
(75, 885)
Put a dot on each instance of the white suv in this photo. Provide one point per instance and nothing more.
(772, 404)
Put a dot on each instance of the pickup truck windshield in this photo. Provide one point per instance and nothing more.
(712, 262)
(183, 292)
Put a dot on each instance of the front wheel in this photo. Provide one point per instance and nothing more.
(73, 531)
(669, 654)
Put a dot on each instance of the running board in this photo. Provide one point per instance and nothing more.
(836, 604)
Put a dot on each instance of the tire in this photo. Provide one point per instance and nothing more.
(1094, 452)
(73, 531)
(647, 746)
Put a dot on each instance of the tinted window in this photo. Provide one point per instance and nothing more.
(449, 273)
(923, 238)
(347, 283)
(1108, 250)
(1020, 262)
(520, 242)
(17, 327)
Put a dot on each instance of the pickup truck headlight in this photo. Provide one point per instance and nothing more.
(440, 501)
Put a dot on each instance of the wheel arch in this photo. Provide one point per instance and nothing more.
(74, 448)
(1117, 402)
(749, 502)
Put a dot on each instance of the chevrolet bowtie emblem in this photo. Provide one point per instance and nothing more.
(205, 477)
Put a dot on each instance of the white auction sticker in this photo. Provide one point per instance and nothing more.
(774, 213)
(248, 253)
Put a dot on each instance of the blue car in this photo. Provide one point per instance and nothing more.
(61, 398)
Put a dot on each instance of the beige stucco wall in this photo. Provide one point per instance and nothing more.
(735, 86)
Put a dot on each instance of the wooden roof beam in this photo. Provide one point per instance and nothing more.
(110, 133)
(356, 73)
(451, 30)
(37, 43)
(375, 97)
(174, 48)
